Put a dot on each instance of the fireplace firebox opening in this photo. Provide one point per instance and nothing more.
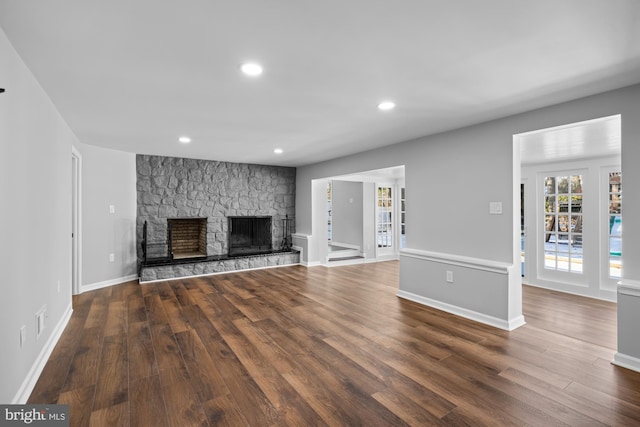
(249, 235)
(187, 237)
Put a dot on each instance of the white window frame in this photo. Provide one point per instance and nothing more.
(607, 282)
(393, 251)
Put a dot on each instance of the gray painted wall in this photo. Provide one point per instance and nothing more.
(451, 178)
(477, 162)
(35, 192)
(347, 214)
(108, 179)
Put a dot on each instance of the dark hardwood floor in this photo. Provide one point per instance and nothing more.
(330, 346)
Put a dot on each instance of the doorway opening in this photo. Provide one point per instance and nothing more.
(571, 211)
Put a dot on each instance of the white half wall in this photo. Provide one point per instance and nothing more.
(474, 288)
(628, 355)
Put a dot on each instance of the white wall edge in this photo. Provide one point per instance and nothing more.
(626, 361)
(629, 287)
(31, 379)
(458, 260)
(463, 312)
(106, 283)
(300, 236)
(78, 230)
(218, 273)
(299, 249)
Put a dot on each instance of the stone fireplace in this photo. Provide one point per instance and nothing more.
(209, 193)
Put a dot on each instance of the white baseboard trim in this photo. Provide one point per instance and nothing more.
(342, 263)
(392, 257)
(31, 379)
(106, 283)
(310, 263)
(626, 361)
(463, 312)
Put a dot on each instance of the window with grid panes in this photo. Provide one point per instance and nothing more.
(563, 223)
(384, 212)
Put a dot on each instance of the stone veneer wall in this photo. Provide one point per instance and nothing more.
(170, 187)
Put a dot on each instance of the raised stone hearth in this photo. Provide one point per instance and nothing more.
(212, 265)
(169, 188)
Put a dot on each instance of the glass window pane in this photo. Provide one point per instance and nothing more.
(550, 204)
(550, 185)
(615, 182)
(575, 247)
(615, 246)
(576, 183)
(576, 263)
(576, 203)
(615, 225)
(550, 223)
(563, 223)
(550, 261)
(563, 184)
(615, 203)
(562, 261)
(576, 223)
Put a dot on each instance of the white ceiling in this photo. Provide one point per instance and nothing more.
(575, 141)
(134, 75)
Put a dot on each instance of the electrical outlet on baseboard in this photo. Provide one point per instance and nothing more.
(449, 276)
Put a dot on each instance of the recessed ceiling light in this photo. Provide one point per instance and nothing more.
(278, 151)
(251, 69)
(386, 106)
(184, 139)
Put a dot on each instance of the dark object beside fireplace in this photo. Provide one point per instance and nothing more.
(249, 235)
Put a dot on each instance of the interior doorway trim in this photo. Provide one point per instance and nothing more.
(76, 220)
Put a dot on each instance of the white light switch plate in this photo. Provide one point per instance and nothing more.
(495, 208)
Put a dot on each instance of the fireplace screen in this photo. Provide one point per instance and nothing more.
(249, 235)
